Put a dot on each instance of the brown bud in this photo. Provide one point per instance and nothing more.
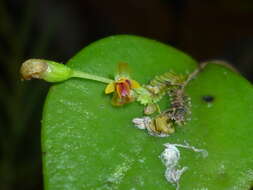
(33, 68)
(162, 125)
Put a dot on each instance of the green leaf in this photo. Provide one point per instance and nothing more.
(89, 144)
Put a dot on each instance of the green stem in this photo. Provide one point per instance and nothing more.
(80, 74)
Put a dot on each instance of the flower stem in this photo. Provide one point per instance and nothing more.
(80, 74)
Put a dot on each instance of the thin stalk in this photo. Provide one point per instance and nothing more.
(80, 74)
(203, 65)
(194, 74)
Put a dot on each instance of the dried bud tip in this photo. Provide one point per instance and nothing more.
(33, 68)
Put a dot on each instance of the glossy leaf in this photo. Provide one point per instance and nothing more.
(90, 144)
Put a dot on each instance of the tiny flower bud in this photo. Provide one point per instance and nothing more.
(150, 109)
(47, 70)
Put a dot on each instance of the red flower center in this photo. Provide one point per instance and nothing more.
(123, 88)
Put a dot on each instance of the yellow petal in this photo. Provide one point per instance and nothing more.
(110, 88)
(135, 84)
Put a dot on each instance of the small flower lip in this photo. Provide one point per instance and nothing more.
(122, 89)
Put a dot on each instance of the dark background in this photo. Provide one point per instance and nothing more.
(56, 30)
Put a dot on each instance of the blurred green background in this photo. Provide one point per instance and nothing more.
(56, 30)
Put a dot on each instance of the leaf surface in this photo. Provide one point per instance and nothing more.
(89, 144)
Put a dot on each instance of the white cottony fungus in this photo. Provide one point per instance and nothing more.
(170, 158)
(173, 175)
(142, 123)
(187, 146)
(170, 155)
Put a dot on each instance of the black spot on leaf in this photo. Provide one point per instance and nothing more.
(208, 98)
